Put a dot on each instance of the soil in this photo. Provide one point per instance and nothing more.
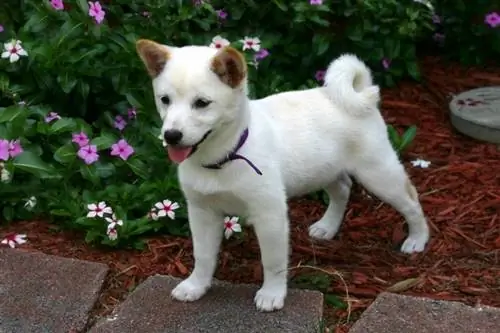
(459, 192)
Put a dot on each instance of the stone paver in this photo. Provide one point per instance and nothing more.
(476, 113)
(46, 294)
(393, 313)
(226, 308)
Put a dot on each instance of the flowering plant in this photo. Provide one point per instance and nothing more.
(474, 29)
(77, 120)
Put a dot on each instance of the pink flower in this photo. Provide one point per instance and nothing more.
(492, 19)
(231, 225)
(15, 148)
(320, 75)
(438, 38)
(251, 43)
(436, 19)
(132, 113)
(316, 2)
(1, 28)
(165, 208)
(96, 11)
(386, 63)
(219, 42)
(112, 234)
(52, 116)
(119, 123)
(261, 54)
(4, 150)
(88, 154)
(221, 14)
(14, 239)
(98, 209)
(122, 149)
(57, 4)
(80, 139)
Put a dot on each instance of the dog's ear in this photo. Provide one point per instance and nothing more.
(230, 66)
(154, 56)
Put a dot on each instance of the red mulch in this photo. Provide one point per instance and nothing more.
(460, 193)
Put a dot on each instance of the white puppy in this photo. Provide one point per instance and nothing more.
(246, 157)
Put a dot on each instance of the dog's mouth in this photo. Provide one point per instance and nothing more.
(179, 153)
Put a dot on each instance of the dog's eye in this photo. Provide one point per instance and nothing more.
(201, 103)
(165, 100)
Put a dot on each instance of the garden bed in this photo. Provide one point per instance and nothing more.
(459, 191)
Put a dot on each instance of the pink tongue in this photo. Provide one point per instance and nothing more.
(178, 155)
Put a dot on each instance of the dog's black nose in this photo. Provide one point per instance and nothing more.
(172, 137)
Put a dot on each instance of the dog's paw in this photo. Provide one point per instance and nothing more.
(414, 244)
(323, 230)
(270, 299)
(187, 291)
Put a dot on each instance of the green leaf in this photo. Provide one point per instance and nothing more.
(413, 70)
(66, 82)
(33, 164)
(65, 154)
(133, 101)
(62, 125)
(138, 167)
(335, 301)
(10, 113)
(105, 141)
(84, 6)
(83, 89)
(104, 170)
(281, 5)
(407, 137)
(393, 136)
(89, 173)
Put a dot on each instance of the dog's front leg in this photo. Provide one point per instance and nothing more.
(272, 230)
(206, 230)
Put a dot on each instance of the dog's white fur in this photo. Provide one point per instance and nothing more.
(303, 141)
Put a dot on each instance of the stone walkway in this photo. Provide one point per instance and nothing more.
(47, 294)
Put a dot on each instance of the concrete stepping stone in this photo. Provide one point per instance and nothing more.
(393, 313)
(226, 308)
(41, 293)
(476, 113)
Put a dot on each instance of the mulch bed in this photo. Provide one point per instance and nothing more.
(460, 194)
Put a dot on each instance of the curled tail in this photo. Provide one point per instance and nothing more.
(349, 84)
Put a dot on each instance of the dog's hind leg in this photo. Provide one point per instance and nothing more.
(338, 194)
(385, 176)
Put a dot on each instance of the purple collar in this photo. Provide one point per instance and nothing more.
(233, 155)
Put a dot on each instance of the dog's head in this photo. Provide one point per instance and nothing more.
(197, 90)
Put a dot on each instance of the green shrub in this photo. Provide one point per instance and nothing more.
(85, 69)
(469, 33)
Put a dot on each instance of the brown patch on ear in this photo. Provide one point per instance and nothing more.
(153, 55)
(411, 190)
(230, 66)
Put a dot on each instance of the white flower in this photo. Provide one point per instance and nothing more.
(30, 203)
(13, 50)
(113, 222)
(231, 225)
(153, 214)
(166, 208)
(421, 163)
(218, 42)
(251, 43)
(14, 239)
(98, 209)
(112, 234)
(4, 173)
